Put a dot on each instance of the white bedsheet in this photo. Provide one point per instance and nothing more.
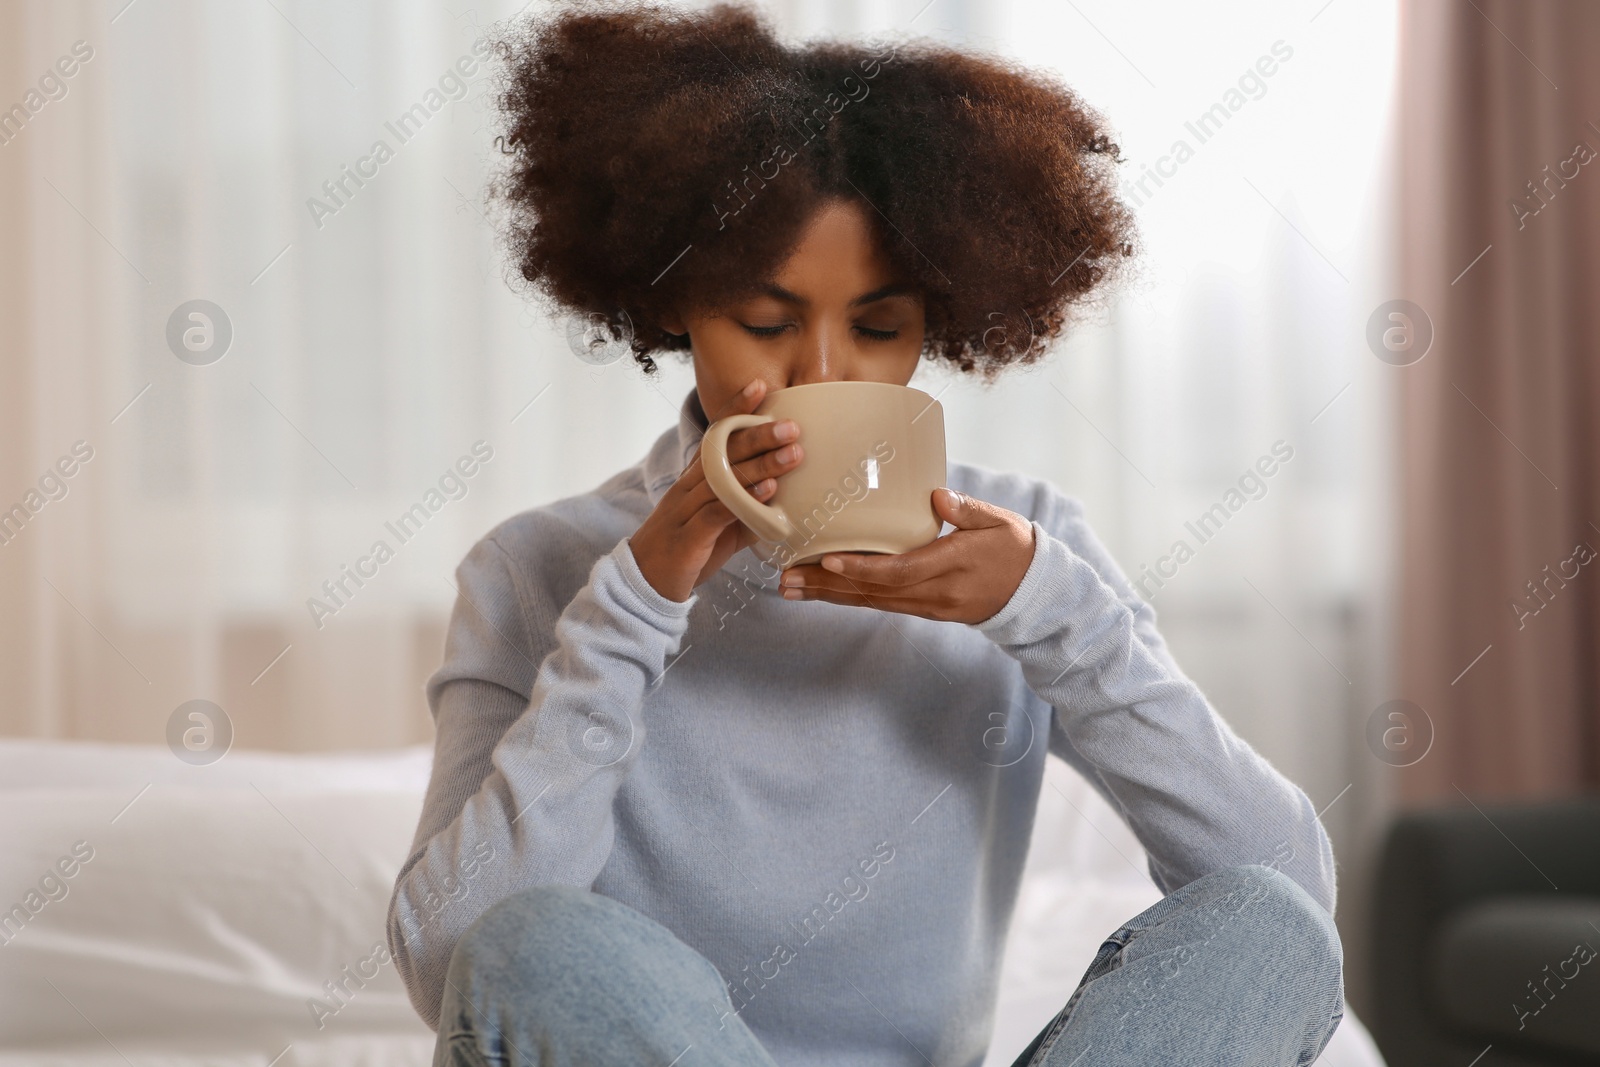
(219, 901)
(349, 1050)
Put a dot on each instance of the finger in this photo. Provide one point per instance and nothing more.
(812, 576)
(808, 580)
(720, 515)
(968, 513)
(770, 464)
(710, 518)
(895, 569)
(921, 607)
(695, 492)
(921, 564)
(744, 401)
(767, 464)
(754, 440)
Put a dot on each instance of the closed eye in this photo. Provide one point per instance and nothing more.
(865, 332)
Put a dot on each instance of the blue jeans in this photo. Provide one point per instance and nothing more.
(1239, 967)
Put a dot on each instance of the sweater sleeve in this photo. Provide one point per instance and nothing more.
(1198, 797)
(545, 745)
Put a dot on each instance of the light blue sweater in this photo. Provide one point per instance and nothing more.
(805, 792)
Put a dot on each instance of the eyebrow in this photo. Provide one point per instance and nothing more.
(895, 289)
(777, 292)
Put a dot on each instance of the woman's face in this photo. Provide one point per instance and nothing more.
(834, 311)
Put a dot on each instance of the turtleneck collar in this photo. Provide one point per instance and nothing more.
(671, 452)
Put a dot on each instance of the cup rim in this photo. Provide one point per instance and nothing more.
(852, 384)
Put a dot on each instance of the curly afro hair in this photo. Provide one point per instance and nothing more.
(658, 159)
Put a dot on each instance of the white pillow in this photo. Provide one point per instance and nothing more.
(200, 912)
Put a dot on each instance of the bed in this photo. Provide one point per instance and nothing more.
(231, 915)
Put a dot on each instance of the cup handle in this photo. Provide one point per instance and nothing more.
(767, 522)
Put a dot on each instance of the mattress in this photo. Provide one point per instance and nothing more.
(154, 912)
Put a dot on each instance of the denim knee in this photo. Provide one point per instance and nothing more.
(537, 938)
(1301, 917)
(1287, 924)
(1279, 911)
(561, 975)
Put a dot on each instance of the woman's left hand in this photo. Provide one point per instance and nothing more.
(966, 576)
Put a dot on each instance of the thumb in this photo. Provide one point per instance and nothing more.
(963, 512)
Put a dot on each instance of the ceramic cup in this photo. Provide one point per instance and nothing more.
(874, 454)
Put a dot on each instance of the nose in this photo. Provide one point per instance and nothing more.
(822, 355)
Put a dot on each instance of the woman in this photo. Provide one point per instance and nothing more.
(685, 809)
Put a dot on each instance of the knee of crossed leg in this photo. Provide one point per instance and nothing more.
(1284, 917)
(538, 939)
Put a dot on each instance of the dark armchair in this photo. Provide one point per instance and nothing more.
(1487, 937)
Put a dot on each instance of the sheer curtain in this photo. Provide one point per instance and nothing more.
(1240, 350)
(230, 154)
(1257, 139)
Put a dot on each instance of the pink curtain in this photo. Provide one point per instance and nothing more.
(1499, 215)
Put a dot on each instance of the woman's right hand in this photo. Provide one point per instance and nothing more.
(691, 534)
